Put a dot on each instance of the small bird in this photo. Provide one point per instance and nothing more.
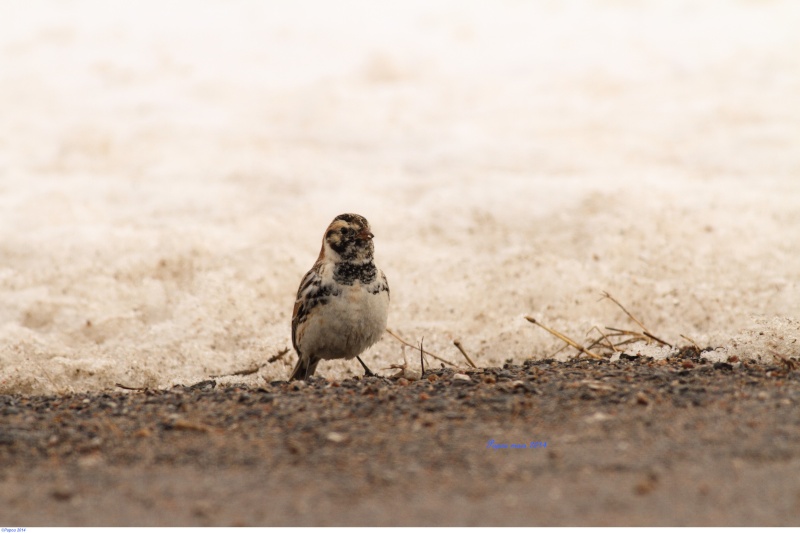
(343, 301)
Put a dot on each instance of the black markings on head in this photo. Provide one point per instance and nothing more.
(342, 237)
(340, 246)
(351, 217)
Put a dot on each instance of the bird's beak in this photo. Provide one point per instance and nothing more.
(364, 235)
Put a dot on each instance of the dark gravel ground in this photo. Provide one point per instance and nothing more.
(631, 442)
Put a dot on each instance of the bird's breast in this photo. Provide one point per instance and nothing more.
(347, 323)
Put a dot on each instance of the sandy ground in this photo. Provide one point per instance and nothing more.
(632, 442)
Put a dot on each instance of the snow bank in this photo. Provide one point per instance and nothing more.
(167, 170)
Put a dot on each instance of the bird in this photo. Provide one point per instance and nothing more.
(342, 303)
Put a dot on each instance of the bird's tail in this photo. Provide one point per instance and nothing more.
(304, 368)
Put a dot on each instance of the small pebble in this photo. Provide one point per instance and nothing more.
(598, 417)
(411, 375)
(333, 436)
(462, 377)
(62, 494)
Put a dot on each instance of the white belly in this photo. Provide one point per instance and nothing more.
(346, 325)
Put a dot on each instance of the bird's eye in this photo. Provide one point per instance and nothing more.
(347, 231)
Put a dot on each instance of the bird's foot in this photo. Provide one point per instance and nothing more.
(367, 372)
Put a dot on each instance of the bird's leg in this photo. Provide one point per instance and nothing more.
(367, 371)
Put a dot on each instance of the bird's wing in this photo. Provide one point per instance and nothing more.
(306, 299)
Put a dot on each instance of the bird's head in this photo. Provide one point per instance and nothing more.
(348, 238)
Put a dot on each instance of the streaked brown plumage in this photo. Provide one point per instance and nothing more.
(343, 301)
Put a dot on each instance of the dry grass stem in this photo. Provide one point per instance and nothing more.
(663, 343)
(125, 387)
(245, 372)
(256, 368)
(692, 341)
(461, 349)
(636, 334)
(401, 368)
(604, 337)
(626, 342)
(187, 425)
(646, 332)
(405, 343)
(566, 345)
(610, 341)
(278, 355)
(607, 295)
(422, 357)
(564, 338)
(644, 328)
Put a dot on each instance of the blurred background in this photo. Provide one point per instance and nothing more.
(167, 170)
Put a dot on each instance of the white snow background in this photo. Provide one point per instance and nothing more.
(167, 170)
